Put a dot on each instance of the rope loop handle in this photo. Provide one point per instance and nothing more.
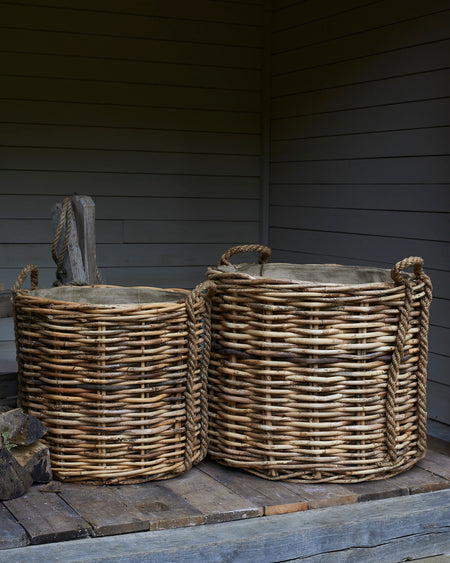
(30, 268)
(192, 363)
(265, 252)
(398, 354)
(415, 261)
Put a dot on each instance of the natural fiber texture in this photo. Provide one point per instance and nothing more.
(118, 376)
(318, 372)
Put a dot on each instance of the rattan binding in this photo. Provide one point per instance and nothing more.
(318, 372)
(118, 376)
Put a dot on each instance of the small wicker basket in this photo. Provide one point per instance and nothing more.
(318, 372)
(118, 376)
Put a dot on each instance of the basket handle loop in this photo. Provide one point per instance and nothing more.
(30, 268)
(398, 354)
(263, 250)
(415, 261)
(192, 364)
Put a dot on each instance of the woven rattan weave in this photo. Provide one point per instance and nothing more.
(118, 376)
(318, 372)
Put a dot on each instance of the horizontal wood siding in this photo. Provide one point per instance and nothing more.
(153, 109)
(360, 125)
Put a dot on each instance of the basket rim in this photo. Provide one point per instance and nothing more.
(61, 303)
(234, 270)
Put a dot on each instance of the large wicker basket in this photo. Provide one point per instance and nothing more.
(118, 376)
(318, 372)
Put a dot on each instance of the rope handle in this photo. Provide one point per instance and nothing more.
(398, 355)
(30, 268)
(415, 261)
(265, 252)
(192, 364)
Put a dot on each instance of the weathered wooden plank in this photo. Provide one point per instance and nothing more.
(436, 463)
(84, 214)
(216, 502)
(272, 496)
(46, 517)
(321, 495)
(11, 532)
(419, 481)
(72, 266)
(104, 509)
(397, 549)
(377, 490)
(161, 506)
(324, 533)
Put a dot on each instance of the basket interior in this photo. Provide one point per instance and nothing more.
(109, 295)
(314, 273)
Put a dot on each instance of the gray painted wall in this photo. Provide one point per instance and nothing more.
(360, 167)
(153, 109)
(165, 113)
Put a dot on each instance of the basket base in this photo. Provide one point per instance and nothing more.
(323, 475)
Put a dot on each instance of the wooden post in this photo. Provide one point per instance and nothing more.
(73, 261)
(84, 211)
(80, 260)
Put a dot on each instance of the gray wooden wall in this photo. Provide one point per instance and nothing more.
(167, 114)
(360, 131)
(153, 109)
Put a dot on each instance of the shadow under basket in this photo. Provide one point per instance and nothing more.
(318, 372)
(118, 376)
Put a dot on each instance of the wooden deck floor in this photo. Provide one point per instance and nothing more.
(209, 493)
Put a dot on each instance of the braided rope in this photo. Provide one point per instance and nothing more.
(192, 363)
(31, 268)
(422, 366)
(64, 223)
(398, 353)
(263, 250)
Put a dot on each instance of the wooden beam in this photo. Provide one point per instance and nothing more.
(384, 530)
(73, 261)
(84, 212)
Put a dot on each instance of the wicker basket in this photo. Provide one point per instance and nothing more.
(118, 376)
(318, 372)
